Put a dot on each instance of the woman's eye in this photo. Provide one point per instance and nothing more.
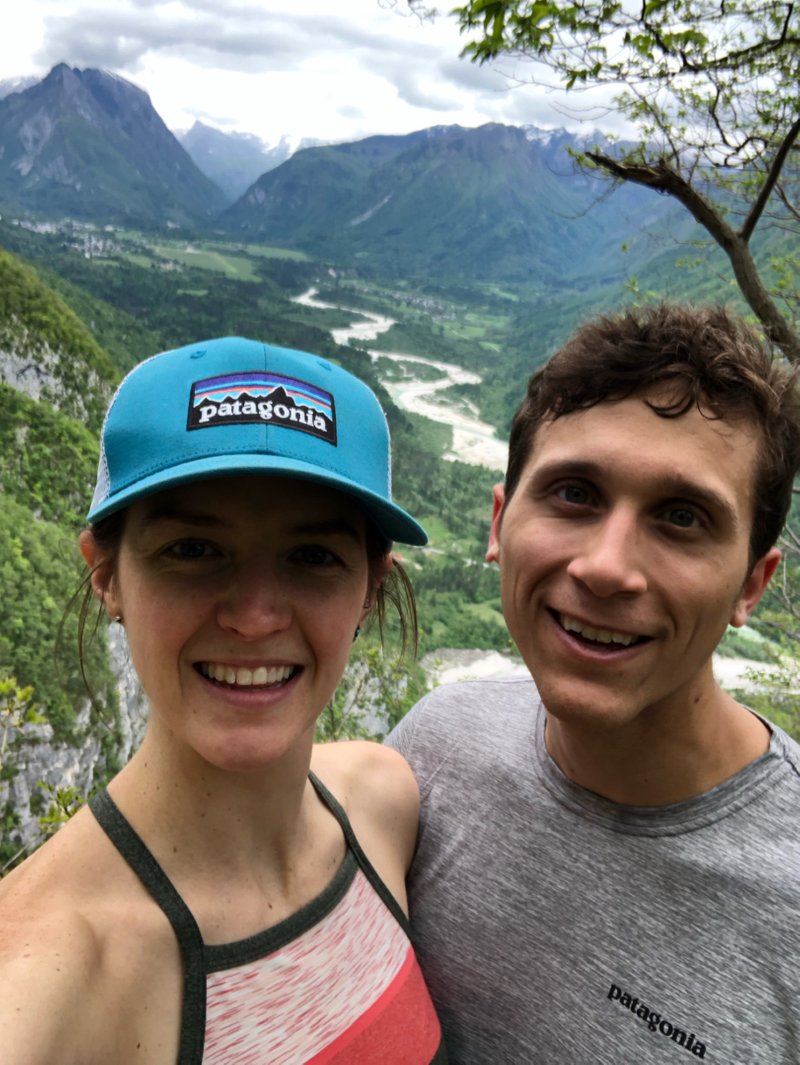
(575, 494)
(315, 556)
(189, 550)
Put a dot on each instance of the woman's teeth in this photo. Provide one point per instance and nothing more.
(241, 677)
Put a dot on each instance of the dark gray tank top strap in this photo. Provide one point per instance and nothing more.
(136, 854)
(366, 865)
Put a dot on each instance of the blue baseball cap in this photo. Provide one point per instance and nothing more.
(231, 406)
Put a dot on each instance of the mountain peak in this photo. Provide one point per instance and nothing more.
(61, 69)
(88, 143)
(233, 161)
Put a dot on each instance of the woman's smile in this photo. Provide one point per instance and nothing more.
(244, 677)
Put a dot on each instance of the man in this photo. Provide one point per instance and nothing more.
(608, 867)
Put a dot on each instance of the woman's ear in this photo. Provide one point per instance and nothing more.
(378, 571)
(101, 574)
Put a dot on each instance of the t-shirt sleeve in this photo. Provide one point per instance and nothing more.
(428, 735)
(401, 738)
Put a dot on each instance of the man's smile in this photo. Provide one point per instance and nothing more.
(592, 634)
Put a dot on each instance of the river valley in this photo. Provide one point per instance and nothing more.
(474, 441)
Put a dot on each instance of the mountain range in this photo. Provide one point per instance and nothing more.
(496, 203)
(492, 203)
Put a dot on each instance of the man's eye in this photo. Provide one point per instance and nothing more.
(574, 493)
(682, 517)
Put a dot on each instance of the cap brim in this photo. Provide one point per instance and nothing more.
(391, 520)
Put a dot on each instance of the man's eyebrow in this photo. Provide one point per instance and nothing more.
(592, 471)
(670, 486)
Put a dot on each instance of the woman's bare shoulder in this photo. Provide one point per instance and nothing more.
(72, 925)
(50, 955)
(367, 772)
(73, 864)
(377, 788)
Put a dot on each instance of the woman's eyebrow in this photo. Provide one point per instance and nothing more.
(327, 527)
(186, 516)
(168, 513)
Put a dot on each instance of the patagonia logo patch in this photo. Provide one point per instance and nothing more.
(258, 397)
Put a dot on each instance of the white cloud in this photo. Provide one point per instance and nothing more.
(334, 71)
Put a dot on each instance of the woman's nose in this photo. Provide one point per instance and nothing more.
(255, 604)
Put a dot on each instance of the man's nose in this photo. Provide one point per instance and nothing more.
(609, 560)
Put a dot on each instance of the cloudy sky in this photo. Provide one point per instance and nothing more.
(328, 69)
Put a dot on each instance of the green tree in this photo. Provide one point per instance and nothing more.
(62, 804)
(374, 694)
(16, 710)
(40, 568)
(713, 88)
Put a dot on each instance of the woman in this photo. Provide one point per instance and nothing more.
(230, 898)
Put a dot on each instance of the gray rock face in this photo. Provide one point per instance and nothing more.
(41, 764)
(132, 700)
(27, 374)
(29, 364)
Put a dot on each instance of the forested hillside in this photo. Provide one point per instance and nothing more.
(497, 203)
(56, 381)
(46, 350)
(50, 414)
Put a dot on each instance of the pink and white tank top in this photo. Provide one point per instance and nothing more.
(337, 982)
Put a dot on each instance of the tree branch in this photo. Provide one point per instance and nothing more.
(787, 202)
(665, 179)
(772, 178)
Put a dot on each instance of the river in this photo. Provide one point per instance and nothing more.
(474, 441)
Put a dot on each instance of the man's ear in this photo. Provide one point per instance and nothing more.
(754, 587)
(499, 498)
(100, 575)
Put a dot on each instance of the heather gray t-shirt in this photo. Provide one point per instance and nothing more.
(556, 927)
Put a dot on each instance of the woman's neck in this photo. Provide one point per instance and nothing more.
(181, 804)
